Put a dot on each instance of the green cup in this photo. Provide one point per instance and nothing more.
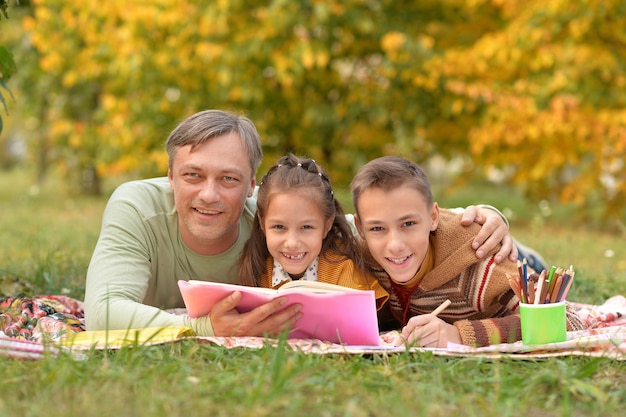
(543, 323)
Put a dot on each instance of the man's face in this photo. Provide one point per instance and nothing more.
(210, 187)
(396, 225)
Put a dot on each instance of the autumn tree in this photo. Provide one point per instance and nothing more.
(314, 76)
(7, 64)
(501, 84)
(543, 99)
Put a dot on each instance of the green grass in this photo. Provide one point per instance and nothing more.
(188, 379)
(47, 237)
(46, 240)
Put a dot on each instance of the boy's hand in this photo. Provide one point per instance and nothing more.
(427, 330)
(494, 231)
(265, 319)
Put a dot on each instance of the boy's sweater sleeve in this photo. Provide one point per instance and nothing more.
(503, 329)
(490, 331)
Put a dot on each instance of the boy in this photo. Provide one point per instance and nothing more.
(422, 256)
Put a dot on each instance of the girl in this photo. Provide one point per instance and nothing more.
(300, 232)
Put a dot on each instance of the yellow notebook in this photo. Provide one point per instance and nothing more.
(127, 337)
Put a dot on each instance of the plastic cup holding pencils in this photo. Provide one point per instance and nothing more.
(542, 303)
(543, 323)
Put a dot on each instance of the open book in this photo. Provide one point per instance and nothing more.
(329, 312)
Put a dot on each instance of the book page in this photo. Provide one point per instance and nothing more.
(234, 287)
(314, 286)
(304, 285)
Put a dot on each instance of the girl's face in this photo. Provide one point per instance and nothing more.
(396, 225)
(295, 228)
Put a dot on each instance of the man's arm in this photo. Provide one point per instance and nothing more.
(120, 276)
(494, 231)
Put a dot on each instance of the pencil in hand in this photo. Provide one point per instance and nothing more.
(442, 307)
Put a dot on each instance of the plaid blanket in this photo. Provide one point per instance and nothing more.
(49, 316)
(610, 314)
(30, 326)
(33, 327)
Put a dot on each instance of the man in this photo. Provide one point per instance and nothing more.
(193, 225)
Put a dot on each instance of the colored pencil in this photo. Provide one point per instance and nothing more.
(531, 292)
(520, 279)
(557, 272)
(538, 294)
(556, 288)
(544, 290)
(525, 276)
(566, 285)
(514, 284)
(551, 274)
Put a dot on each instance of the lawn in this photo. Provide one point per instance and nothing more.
(45, 244)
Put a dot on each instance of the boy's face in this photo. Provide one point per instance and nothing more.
(396, 225)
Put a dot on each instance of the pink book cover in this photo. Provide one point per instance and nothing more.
(342, 315)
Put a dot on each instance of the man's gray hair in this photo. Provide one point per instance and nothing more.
(205, 125)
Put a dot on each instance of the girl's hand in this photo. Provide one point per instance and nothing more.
(393, 338)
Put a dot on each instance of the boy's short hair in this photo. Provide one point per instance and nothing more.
(389, 173)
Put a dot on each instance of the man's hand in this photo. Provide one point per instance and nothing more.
(427, 330)
(494, 231)
(262, 320)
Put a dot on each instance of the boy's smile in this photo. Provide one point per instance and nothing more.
(396, 225)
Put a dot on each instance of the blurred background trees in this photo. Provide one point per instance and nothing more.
(7, 66)
(529, 92)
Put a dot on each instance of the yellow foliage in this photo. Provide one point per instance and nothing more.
(457, 107)
(579, 27)
(75, 141)
(365, 136)
(159, 159)
(60, 127)
(69, 79)
(322, 58)
(508, 81)
(307, 57)
(208, 51)
(50, 62)
(392, 42)
(427, 42)
(108, 101)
